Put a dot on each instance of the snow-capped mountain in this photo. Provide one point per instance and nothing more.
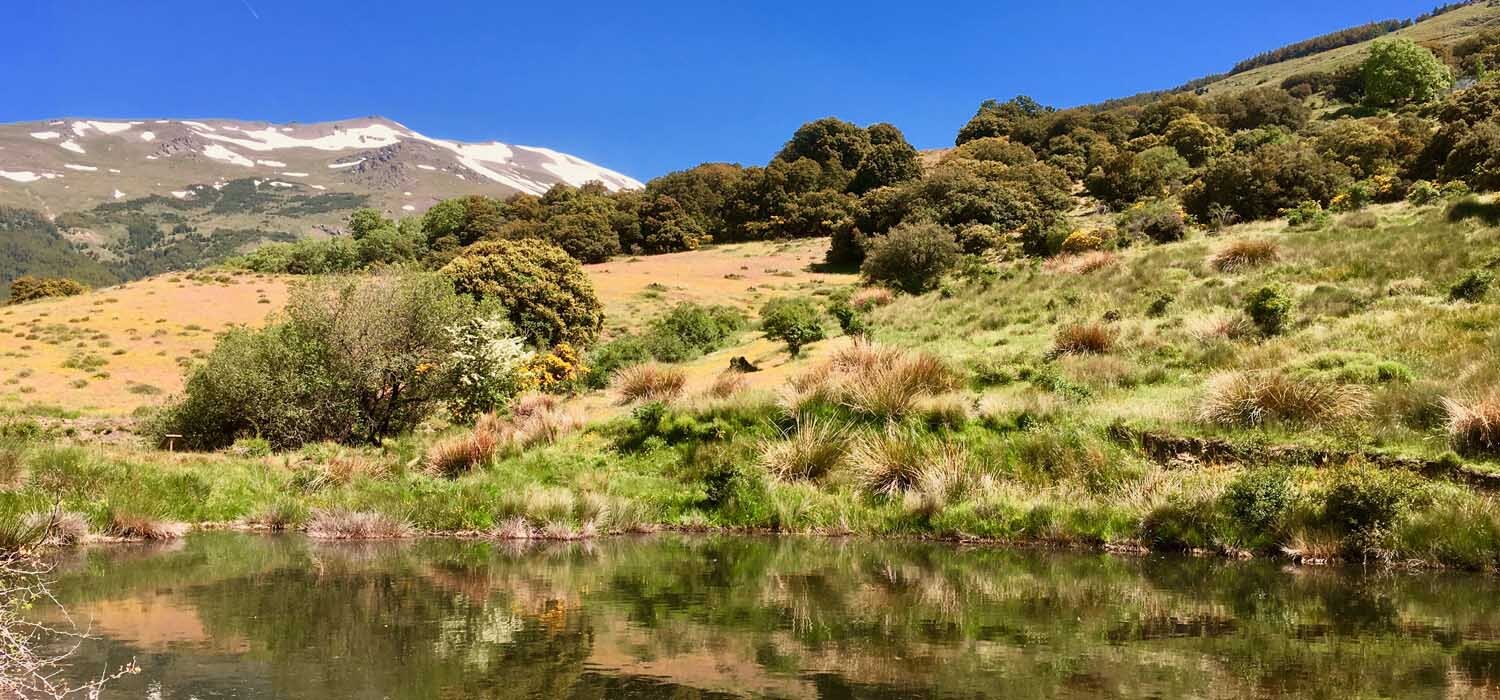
(71, 164)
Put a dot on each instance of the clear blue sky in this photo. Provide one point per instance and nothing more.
(642, 88)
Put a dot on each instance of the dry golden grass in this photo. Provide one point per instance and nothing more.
(744, 275)
(455, 456)
(139, 330)
(1254, 398)
(871, 297)
(1244, 253)
(1083, 263)
(727, 384)
(897, 462)
(1084, 339)
(340, 524)
(1474, 425)
(137, 526)
(648, 382)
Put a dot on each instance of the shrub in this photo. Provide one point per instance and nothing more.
(1084, 339)
(1250, 399)
(489, 364)
(912, 257)
(1423, 193)
(1245, 253)
(1364, 502)
(1474, 425)
(689, 330)
(610, 357)
(649, 382)
(1130, 176)
(1081, 242)
(1308, 214)
(1257, 501)
(29, 288)
(353, 360)
(1162, 221)
(811, 451)
(795, 321)
(549, 298)
(1266, 181)
(1269, 308)
(1472, 286)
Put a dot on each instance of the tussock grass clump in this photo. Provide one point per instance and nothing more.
(455, 456)
(1248, 399)
(871, 297)
(1474, 425)
(1221, 327)
(282, 514)
(649, 382)
(874, 381)
(727, 384)
(344, 467)
(59, 528)
(815, 449)
(1244, 254)
(1083, 263)
(341, 524)
(1084, 339)
(141, 526)
(889, 463)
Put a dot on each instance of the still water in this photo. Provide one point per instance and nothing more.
(225, 615)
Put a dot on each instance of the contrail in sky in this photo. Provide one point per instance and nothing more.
(253, 13)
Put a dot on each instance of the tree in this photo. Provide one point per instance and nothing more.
(1263, 106)
(795, 321)
(1000, 118)
(666, 227)
(912, 257)
(548, 296)
(829, 142)
(1129, 177)
(1196, 140)
(363, 221)
(461, 221)
(1401, 72)
(354, 360)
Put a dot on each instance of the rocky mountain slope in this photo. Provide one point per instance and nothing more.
(144, 196)
(70, 164)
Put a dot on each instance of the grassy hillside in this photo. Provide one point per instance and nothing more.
(1440, 32)
(121, 348)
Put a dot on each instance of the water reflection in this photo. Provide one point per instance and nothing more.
(231, 615)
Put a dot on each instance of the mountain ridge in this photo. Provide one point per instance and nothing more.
(72, 163)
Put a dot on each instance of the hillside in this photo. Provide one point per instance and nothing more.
(1439, 33)
(125, 347)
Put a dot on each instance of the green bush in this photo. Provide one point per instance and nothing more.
(912, 257)
(1423, 193)
(795, 321)
(1403, 72)
(1472, 286)
(548, 295)
(1160, 220)
(1256, 502)
(689, 330)
(1363, 503)
(1269, 308)
(29, 288)
(1308, 214)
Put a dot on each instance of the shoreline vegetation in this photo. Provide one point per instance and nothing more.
(1250, 324)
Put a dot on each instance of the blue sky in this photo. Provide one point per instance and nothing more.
(642, 88)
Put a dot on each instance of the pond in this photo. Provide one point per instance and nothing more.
(229, 615)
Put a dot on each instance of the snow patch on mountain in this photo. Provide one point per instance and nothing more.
(217, 152)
